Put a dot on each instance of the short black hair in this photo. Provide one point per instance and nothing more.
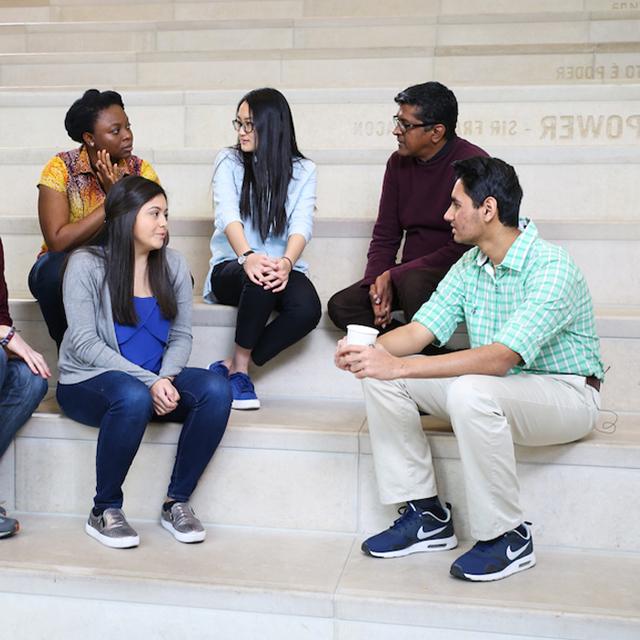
(436, 103)
(483, 177)
(83, 113)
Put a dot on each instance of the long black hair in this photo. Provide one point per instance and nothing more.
(124, 201)
(269, 168)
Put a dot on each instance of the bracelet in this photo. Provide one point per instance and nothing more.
(7, 339)
(290, 263)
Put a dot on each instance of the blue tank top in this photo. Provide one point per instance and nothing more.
(145, 343)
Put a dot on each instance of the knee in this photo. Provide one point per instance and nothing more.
(214, 388)
(37, 389)
(336, 308)
(467, 395)
(310, 313)
(133, 397)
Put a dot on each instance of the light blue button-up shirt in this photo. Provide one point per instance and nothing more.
(228, 174)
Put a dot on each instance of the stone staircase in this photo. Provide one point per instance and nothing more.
(552, 87)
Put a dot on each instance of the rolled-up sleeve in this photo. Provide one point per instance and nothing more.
(226, 191)
(444, 310)
(304, 206)
(548, 308)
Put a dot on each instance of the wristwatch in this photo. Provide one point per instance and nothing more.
(243, 258)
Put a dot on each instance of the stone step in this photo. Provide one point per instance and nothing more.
(329, 483)
(603, 250)
(603, 116)
(248, 583)
(473, 65)
(91, 10)
(307, 370)
(317, 33)
(563, 184)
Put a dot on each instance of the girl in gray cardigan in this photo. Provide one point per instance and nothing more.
(123, 359)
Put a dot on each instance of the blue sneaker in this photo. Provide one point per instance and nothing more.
(412, 532)
(499, 558)
(219, 367)
(244, 393)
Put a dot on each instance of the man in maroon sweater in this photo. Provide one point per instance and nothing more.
(416, 192)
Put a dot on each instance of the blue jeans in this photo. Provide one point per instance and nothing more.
(120, 405)
(45, 283)
(21, 391)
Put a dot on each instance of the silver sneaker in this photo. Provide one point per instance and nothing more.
(181, 521)
(112, 529)
(8, 526)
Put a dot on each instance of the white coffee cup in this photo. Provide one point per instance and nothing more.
(359, 334)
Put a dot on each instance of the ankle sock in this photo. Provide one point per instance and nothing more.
(167, 505)
(432, 505)
(97, 511)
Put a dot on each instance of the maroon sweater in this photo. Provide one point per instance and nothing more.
(5, 318)
(415, 197)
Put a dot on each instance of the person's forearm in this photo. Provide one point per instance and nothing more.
(295, 246)
(492, 360)
(407, 340)
(235, 235)
(73, 234)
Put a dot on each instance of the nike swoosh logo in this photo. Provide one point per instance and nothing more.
(423, 535)
(512, 555)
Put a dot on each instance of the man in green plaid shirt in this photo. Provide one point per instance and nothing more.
(531, 376)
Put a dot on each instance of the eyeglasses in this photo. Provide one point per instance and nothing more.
(238, 124)
(407, 126)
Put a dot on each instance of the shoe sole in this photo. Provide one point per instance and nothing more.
(246, 405)
(114, 543)
(438, 544)
(8, 534)
(188, 538)
(522, 564)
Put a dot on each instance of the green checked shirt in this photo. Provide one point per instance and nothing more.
(536, 302)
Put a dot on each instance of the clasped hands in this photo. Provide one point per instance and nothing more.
(381, 296)
(366, 361)
(164, 395)
(271, 274)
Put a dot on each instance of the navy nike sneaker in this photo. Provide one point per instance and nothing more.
(498, 558)
(414, 531)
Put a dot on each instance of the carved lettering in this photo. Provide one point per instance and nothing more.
(584, 127)
(600, 72)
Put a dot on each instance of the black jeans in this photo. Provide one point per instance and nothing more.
(121, 406)
(298, 306)
(353, 306)
(45, 283)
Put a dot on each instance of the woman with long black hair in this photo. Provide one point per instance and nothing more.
(264, 193)
(128, 301)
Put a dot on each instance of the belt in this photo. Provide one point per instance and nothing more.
(594, 382)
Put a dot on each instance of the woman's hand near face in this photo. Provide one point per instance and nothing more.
(257, 266)
(107, 172)
(165, 396)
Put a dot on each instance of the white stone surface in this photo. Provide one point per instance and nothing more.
(302, 586)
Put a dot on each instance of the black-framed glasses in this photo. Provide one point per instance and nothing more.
(238, 124)
(407, 126)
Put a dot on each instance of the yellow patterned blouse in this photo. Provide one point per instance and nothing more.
(70, 172)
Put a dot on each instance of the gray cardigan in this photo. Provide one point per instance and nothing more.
(90, 347)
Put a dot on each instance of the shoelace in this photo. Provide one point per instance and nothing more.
(114, 520)
(181, 513)
(245, 384)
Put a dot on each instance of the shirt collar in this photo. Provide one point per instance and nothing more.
(519, 250)
(83, 165)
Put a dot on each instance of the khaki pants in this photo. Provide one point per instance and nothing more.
(488, 414)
